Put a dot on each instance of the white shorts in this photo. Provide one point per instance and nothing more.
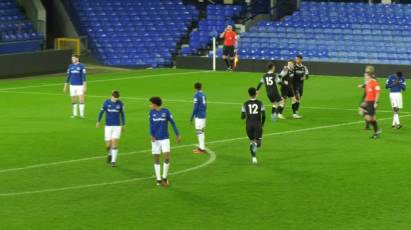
(200, 123)
(162, 146)
(396, 100)
(76, 90)
(112, 132)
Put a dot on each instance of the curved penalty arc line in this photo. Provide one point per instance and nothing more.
(211, 159)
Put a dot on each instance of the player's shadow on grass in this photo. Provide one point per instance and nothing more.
(190, 198)
(132, 173)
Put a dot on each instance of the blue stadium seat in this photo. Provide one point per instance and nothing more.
(135, 32)
(335, 31)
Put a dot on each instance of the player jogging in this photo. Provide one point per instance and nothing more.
(76, 77)
(287, 89)
(115, 125)
(300, 75)
(372, 95)
(270, 81)
(396, 84)
(230, 43)
(254, 113)
(199, 117)
(160, 139)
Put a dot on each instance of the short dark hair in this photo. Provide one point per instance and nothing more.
(299, 56)
(198, 86)
(252, 91)
(399, 74)
(270, 66)
(156, 100)
(75, 55)
(115, 94)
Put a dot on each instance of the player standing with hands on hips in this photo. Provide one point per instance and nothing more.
(76, 77)
(160, 139)
(396, 84)
(230, 43)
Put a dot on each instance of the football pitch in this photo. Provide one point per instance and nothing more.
(319, 172)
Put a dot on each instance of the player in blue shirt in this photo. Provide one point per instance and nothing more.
(396, 84)
(115, 125)
(76, 77)
(199, 117)
(160, 139)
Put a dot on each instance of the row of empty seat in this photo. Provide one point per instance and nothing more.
(135, 32)
(332, 31)
(17, 34)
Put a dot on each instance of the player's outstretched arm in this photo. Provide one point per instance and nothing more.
(260, 84)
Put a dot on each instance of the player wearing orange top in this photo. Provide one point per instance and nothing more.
(372, 96)
(230, 43)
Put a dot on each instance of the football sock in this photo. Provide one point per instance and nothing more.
(82, 106)
(253, 149)
(108, 151)
(227, 63)
(114, 153)
(232, 64)
(157, 170)
(75, 110)
(166, 166)
(280, 109)
(294, 107)
(396, 119)
(374, 125)
(297, 107)
(367, 124)
(201, 140)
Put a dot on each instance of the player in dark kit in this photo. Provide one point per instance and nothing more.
(287, 88)
(270, 80)
(254, 113)
(300, 75)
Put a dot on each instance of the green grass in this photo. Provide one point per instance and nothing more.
(321, 172)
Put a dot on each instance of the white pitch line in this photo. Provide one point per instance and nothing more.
(190, 101)
(78, 160)
(183, 146)
(107, 80)
(210, 160)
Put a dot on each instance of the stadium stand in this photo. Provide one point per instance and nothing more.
(17, 33)
(334, 32)
(135, 32)
(218, 17)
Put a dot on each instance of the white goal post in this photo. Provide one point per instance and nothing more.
(214, 54)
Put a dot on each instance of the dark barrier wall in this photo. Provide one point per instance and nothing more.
(316, 68)
(25, 64)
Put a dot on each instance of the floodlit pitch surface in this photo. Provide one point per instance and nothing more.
(320, 172)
